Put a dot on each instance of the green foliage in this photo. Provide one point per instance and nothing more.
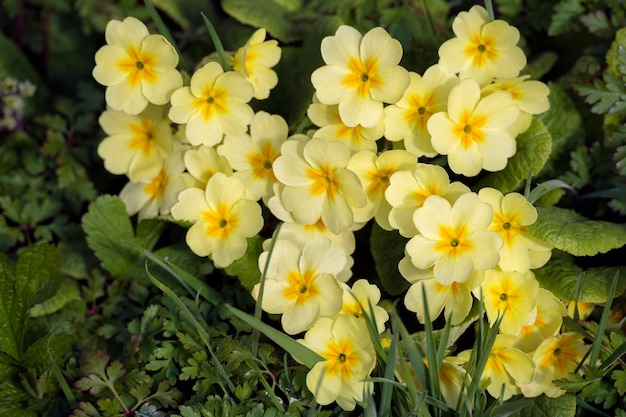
(246, 268)
(570, 232)
(387, 250)
(560, 276)
(563, 406)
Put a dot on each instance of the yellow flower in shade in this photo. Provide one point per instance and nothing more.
(455, 299)
(151, 197)
(252, 156)
(426, 95)
(474, 132)
(137, 68)
(137, 145)
(361, 73)
(408, 189)
(255, 59)
(512, 214)
(318, 184)
(482, 50)
(331, 127)
(512, 294)
(507, 368)
(356, 301)
(222, 219)
(215, 103)
(374, 173)
(202, 163)
(454, 238)
(549, 313)
(584, 309)
(349, 358)
(301, 282)
(530, 96)
(555, 358)
(302, 233)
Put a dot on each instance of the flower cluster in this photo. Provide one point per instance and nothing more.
(12, 95)
(222, 161)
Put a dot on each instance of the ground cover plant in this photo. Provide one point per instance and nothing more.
(294, 208)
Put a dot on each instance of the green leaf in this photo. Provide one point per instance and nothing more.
(620, 381)
(570, 232)
(560, 276)
(566, 12)
(37, 274)
(296, 349)
(565, 135)
(246, 268)
(387, 249)
(148, 232)
(533, 149)
(186, 12)
(67, 292)
(37, 356)
(12, 312)
(268, 14)
(563, 406)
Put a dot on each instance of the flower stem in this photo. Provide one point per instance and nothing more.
(489, 7)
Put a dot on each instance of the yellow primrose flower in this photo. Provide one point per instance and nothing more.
(507, 367)
(555, 358)
(512, 214)
(331, 127)
(302, 233)
(361, 73)
(253, 155)
(512, 294)
(215, 103)
(474, 131)
(549, 313)
(301, 282)
(482, 50)
(151, 197)
(222, 219)
(137, 68)
(454, 238)
(254, 61)
(317, 183)
(408, 189)
(426, 95)
(359, 297)
(374, 173)
(530, 96)
(202, 163)
(455, 299)
(584, 309)
(349, 358)
(137, 145)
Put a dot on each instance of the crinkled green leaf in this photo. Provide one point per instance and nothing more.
(37, 273)
(246, 268)
(12, 312)
(533, 150)
(107, 225)
(563, 406)
(13, 397)
(37, 356)
(387, 250)
(570, 232)
(68, 291)
(560, 276)
(268, 14)
(564, 124)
